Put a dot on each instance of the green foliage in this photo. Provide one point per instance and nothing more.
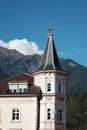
(76, 111)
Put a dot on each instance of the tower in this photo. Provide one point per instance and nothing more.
(51, 78)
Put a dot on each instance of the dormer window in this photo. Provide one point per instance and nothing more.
(18, 86)
(14, 90)
(22, 90)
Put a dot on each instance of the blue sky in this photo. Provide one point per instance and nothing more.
(29, 19)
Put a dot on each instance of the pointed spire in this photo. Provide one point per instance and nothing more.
(50, 60)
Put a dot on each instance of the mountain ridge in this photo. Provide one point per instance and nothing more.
(12, 62)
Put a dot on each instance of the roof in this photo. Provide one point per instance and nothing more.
(21, 77)
(50, 60)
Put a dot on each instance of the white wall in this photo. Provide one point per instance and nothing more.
(42, 79)
(51, 99)
(28, 110)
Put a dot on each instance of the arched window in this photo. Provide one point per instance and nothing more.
(59, 114)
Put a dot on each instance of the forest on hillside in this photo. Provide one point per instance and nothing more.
(76, 111)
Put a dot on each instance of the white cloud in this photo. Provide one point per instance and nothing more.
(23, 46)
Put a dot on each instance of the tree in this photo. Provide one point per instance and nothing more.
(76, 111)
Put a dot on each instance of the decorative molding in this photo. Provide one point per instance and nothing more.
(60, 126)
(49, 98)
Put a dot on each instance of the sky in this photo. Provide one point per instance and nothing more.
(24, 26)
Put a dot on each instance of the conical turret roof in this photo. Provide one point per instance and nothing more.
(50, 60)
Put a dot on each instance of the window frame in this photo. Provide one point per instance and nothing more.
(59, 88)
(22, 90)
(48, 87)
(14, 91)
(48, 114)
(59, 115)
(15, 114)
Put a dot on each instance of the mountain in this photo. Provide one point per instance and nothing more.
(77, 78)
(2, 75)
(12, 62)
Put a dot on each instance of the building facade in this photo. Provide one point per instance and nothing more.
(19, 99)
(37, 101)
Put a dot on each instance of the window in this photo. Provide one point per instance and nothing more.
(48, 114)
(59, 88)
(18, 86)
(14, 90)
(15, 114)
(10, 90)
(22, 90)
(59, 114)
(49, 87)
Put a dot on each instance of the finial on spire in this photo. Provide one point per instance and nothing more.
(50, 30)
(50, 26)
